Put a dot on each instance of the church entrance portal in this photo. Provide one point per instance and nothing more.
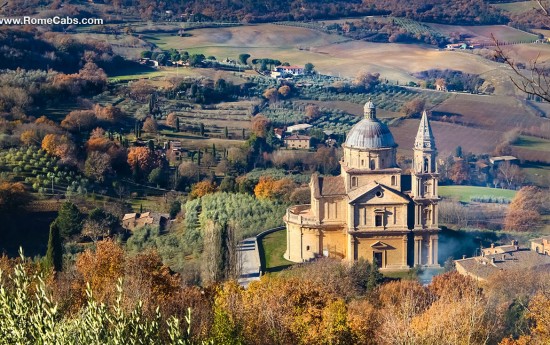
(377, 258)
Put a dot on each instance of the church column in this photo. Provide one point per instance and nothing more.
(418, 250)
(435, 241)
(430, 251)
(351, 248)
(404, 258)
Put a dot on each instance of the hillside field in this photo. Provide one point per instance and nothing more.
(465, 193)
(299, 45)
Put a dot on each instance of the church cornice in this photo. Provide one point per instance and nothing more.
(371, 172)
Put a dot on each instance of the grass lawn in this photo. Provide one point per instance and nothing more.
(533, 143)
(272, 248)
(538, 174)
(465, 193)
(517, 7)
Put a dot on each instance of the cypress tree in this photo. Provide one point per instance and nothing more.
(226, 132)
(177, 124)
(54, 254)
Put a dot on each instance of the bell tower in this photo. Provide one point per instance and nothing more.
(425, 195)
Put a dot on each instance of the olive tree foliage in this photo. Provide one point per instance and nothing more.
(28, 315)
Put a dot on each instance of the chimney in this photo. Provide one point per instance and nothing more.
(503, 257)
(463, 257)
(492, 245)
(493, 261)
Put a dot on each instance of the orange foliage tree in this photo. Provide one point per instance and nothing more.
(58, 145)
(142, 160)
(202, 188)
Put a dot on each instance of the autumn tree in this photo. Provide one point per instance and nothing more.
(97, 165)
(78, 120)
(202, 188)
(524, 212)
(171, 120)
(30, 137)
(102, 268)
(366, 80)
(150, 125)
(142, 160)
(459, 172)
(59, 145)
(413, 107)
(260, 125)
(188, 171)
(312, 112)
(284, 91)
(13, 195)
(141, 90)
(271, 94)
(108, 113)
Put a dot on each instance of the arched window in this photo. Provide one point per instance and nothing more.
(362, 162)
(354, 181)
(426, 164)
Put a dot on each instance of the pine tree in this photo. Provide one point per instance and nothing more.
(54, 254)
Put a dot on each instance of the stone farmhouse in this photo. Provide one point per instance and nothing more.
(296, 141)
(371, 210)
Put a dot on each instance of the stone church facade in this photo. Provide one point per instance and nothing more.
(371, 210)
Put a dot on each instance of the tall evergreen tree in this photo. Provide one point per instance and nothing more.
(69, 220)
(54, 254)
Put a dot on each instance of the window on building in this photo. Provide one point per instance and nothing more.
(426, 164)
(378, 220)
(307, 248)
(427, 189)
(393, 181)
(372, 164)
(362, 162)
(354, 181)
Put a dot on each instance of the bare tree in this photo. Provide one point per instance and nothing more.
(535, 79)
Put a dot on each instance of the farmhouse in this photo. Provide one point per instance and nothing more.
(503, 258)
(294, 70)
(298, 127)
(296, 141)
(501, 159)
(367, 211)
(132, 221)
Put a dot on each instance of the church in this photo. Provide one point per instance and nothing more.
(371, 210)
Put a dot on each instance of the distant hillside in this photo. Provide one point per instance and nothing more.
(466, 12)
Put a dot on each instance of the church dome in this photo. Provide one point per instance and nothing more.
(370, 133)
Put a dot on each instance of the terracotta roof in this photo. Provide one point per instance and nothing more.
(298, 137)
(327, 186)
(483, 266)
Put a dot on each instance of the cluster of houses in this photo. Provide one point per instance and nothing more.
(505, 258)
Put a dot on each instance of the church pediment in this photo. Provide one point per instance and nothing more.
(381, 246)
(375, 193)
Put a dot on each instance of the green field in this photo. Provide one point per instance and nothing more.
(517, 7)
(538, 174)
(272, 248)
(465, 193)
(533, 143)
